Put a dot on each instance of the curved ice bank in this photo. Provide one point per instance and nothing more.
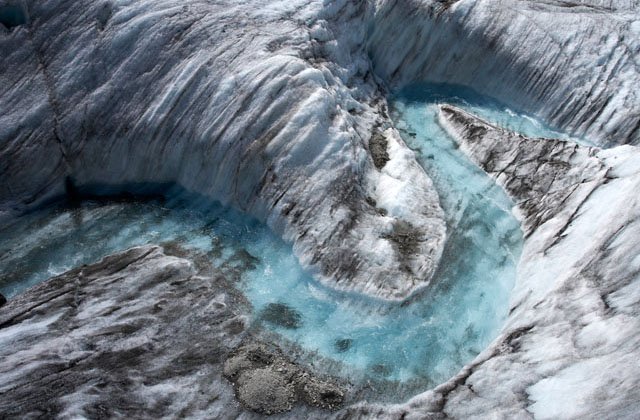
(276, 108)
(569, 346)
(404, 348)
(269, 107)
(573, 64)
(427, 339)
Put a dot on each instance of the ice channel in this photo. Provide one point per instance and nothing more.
(409, 346)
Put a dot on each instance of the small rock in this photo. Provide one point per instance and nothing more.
(266, 391)
(249, 357)
(265, 381)
(322, 394)
(343, 344)
(281, 315)
(3, 300)
(378, 147)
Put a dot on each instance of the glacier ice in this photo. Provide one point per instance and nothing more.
(281, 108)
(573, 64)
(404, 348)
(160, 90)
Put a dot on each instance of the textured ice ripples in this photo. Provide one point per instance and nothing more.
(409, 347)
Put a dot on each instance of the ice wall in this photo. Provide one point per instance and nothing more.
(574, 64)
(268, 107)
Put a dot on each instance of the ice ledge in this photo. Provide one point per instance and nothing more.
(562, 169)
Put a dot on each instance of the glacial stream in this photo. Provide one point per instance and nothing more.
(408, 347)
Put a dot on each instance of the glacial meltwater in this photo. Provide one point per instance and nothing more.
(403, 347)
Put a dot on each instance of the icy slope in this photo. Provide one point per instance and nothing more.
(257, 105)
(276, 108)
(574, 64)
(570, 346)
(140, 334)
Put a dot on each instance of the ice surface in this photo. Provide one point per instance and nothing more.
(263, 106)
(53, 240)
(485, 107)
(415, 345)
(208, 95)
(568, 345)
(270, 106)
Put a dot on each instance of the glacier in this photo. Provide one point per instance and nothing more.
(285, 110)
(233, 99)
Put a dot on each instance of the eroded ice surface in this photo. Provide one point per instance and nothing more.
(51, 241)
(415, 345)
(428, 340)
(421, 343)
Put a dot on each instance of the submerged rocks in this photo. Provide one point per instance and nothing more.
(3, 300)
(342, 345)
(281, 315)
(268, 383)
